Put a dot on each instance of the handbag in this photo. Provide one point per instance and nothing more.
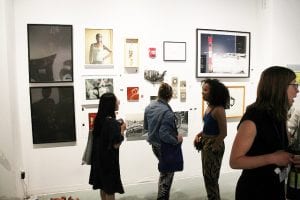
(171, 158)
(199, 144)
(87, 154)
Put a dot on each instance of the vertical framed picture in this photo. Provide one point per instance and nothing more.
(50, 53)
(92, 117)
(52, 114)
(222, 53)
(99, 47)
(237, 102)
(174, 51)
(131, 52)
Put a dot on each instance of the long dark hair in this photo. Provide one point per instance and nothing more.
(218, 93)
(106, 108)
(272, 91)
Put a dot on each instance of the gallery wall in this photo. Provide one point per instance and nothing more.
(57, 167)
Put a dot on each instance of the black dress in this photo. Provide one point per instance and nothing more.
(263, 183)
(105, 167)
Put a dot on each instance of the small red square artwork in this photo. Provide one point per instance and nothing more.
(133, 93)
(92, 117)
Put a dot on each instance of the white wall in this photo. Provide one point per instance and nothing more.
(55, 168)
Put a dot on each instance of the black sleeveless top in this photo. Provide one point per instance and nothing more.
(271, 136)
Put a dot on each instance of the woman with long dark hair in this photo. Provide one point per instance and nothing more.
(107, 138)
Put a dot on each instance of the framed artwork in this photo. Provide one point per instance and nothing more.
(222, 53)
(98, 47)
(133, 94)
(135, 127)
(52, 114)
(92, 117)
(237, 102)
(50, 53)
(182, 122)
(131, 53)
(174, 51)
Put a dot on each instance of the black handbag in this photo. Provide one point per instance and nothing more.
(171, 158)
(199, 144)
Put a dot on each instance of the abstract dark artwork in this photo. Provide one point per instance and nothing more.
(52, 114)
(50, 54)
(222, 53)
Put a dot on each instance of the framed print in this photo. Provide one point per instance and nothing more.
(131, 54)
(174, 51)
(98, 47)
(52, 114)
(133, 94)
(222, 53)
(50, 53)
(237, 102)
(181, 120)
(135, 127)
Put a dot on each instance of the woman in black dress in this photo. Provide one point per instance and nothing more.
(260, 146)
(107, 137)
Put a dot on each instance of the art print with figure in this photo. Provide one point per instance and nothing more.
(52, 114)
(50, 53)
(222, 53)
(99, 47)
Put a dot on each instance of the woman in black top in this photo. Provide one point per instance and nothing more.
(261, 141)
(107, 137)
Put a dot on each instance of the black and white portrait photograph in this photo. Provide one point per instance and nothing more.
(182, 121)
(50, 53)
(52, 114)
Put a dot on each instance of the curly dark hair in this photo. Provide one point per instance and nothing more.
(218, 93)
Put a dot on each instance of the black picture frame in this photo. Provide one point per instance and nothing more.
(222, 53)
(52, 114)
(174, 51)
(50, 53)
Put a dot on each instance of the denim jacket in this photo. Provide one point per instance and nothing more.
(167, 130)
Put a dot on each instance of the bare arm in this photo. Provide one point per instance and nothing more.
(243, 142)
(91, 54)
(220, 115)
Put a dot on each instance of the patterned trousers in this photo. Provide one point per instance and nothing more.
(165, 179)
(211, 166)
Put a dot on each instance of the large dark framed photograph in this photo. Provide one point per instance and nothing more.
(222, 53)
(50, 53)
(52, 114)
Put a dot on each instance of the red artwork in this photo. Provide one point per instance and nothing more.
(152, 52)
(92, 117)
(132, 93)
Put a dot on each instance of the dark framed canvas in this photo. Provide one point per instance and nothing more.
(174, 51)
(52, 114)
(222, 53)
(50, 53)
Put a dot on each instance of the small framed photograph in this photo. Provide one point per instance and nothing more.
(50, 53)
(174, 51)
(222, 53)
(133, 94)
(52, 114)
(92, 117)
(98, 48)
(237, 102)
(131, 53)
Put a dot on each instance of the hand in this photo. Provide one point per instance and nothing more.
(282, 158)
(197, 138)
(123, 128)
(296, 161)
(179, 138)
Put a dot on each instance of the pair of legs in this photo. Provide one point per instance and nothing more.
(211, 166)
(165, 179)
(105, 196)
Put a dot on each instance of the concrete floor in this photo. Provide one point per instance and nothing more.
(183, 189)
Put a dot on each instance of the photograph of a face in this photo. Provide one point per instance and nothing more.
(50, 53)
(99, 47)
(52, 114)
(222, 53)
